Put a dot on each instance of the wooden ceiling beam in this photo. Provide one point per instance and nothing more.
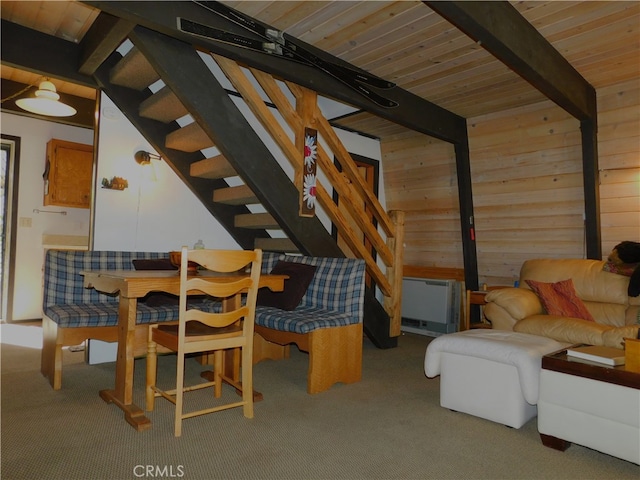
(501, 30)
(43, 54)
(507, 35)
(105, 35)
(412, 111)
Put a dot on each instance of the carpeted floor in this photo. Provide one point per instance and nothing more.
(388, 426)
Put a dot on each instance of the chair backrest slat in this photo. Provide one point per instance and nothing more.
(240, 293)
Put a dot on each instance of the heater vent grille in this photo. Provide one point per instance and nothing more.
(430, 306)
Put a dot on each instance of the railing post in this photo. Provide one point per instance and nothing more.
(393, 304)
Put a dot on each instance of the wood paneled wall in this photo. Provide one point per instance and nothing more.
(526, 167)
(619, 153)
(420, 179)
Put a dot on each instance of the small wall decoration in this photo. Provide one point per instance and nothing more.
(308, 190)
(116, 183)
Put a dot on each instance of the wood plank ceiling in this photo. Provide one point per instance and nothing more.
(408, 43)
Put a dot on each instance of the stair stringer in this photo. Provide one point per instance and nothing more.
(155, 133)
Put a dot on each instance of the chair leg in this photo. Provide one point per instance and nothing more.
(152, 368)
(247, 381)
(179, 393)
(218, 365)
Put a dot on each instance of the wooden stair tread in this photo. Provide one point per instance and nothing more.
(189, 138)
(256, 220)
(212, 168)
(240, 195)
(133, 71)
(276, 245)
(162, 106)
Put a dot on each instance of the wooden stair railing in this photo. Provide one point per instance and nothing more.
(362, 206)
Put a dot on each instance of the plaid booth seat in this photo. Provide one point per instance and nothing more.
(73, 313)
(334, 298)
(69, 304)
(326, 322)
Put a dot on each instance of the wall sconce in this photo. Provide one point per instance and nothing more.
(46, 102)
(144, 158)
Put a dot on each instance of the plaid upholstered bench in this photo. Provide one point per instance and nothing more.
(327, 322)
(72, 314)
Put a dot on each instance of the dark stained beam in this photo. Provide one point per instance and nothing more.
(467, 223)
(413, 112)
(591, 185)
(501, 30)
(105, 35)
(43, 54)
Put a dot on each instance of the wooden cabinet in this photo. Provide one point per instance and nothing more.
(68, 173)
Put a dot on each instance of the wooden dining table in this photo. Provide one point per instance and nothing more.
(132, 285)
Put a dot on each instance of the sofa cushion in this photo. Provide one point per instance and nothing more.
(518, 302)
(300, 276)
(153, 264)
(155, 299)
(560, 298)
(106, 314)
(591, 282)
(614, 337)
(562, 329)
(301, 320)
(338, 284)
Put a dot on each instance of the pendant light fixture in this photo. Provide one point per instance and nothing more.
(46, 102)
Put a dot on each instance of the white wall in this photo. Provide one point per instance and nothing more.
(34, 135)
(157, 212)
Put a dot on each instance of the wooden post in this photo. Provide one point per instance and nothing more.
(393, 304)
(306, 103)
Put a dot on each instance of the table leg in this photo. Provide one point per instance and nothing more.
(122, 394)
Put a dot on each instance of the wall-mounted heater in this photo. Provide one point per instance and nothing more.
(430, 307)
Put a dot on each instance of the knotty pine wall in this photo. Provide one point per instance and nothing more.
(526, 169)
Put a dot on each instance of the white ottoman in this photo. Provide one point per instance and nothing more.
(492, 374)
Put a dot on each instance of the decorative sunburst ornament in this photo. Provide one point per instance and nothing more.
(309, 191)
(308, 187)
(310, 150)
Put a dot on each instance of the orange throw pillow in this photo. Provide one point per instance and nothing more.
(560, 299)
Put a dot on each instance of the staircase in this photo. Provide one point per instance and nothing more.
(167, 91)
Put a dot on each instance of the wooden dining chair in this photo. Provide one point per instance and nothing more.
(199, 331)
